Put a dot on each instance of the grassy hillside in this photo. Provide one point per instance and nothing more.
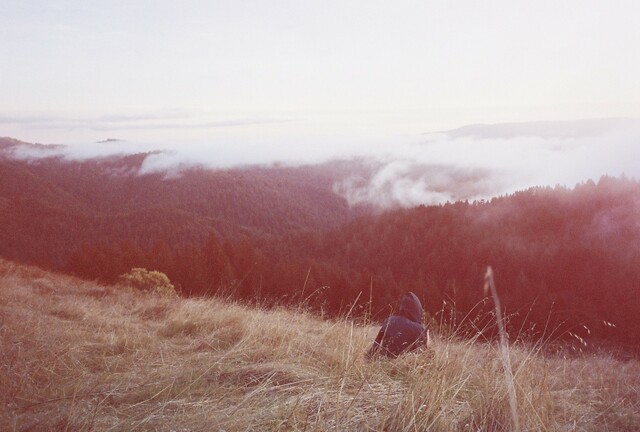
(79, 356)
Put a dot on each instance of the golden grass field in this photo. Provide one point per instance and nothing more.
(79, 356)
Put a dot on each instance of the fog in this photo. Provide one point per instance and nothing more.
(466, 163)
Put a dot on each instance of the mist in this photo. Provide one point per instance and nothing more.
(480, 161)
(468, 163)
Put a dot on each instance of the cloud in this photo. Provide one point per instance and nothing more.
(44, 120)
(31, 152)
(481, 161)
(468, 163)
(405, 183)
(130, 122)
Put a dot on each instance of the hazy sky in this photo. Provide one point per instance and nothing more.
(236, 82)
(309, 72)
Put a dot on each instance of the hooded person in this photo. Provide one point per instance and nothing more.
(402, 332)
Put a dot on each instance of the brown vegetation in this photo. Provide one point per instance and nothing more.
(79, 356)
(150, 281)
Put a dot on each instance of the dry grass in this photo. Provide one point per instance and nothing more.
(77, 356)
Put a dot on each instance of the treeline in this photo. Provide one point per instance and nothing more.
(240, 269)
(564, 260)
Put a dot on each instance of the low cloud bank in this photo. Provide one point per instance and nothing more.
(481, 161)
(467, 163)
(405, 183)
(147, 121)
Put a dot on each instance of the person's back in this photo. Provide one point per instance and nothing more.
(402, 332)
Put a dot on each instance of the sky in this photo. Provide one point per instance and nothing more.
(255, 81)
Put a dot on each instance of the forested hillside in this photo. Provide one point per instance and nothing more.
(562, 258)
(51, 206)
(565, 259)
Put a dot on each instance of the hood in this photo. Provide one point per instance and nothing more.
(411, 308)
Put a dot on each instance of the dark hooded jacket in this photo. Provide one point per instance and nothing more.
(402, 332)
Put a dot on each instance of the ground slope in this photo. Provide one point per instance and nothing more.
(79, 356)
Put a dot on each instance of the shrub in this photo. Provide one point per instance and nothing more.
(150, 281)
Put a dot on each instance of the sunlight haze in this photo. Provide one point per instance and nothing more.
(71, 70)
(232, 83)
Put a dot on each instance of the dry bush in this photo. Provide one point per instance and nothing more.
(123, 360)
(150, 281)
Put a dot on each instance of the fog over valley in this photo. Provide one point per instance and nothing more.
(467, 163)
(437, 102)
